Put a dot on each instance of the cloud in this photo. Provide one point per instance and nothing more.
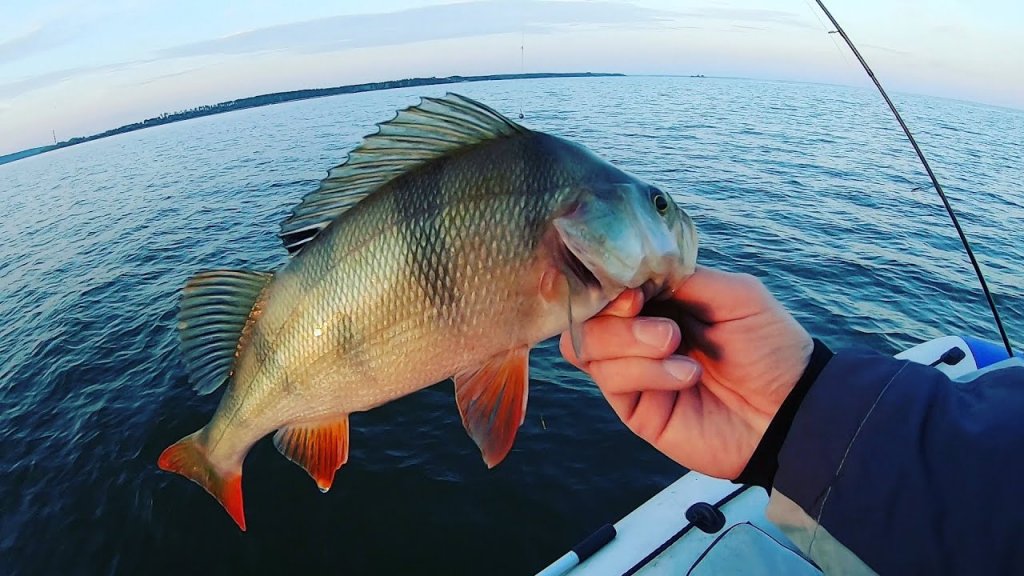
(755, 15)
(11, 89)
(38, 40)
(25, 45)
(447, 21)
(885, 49)
(439, 22)
(465, 19)
(25, 85)
(746, 27)
(474, 18)
(160, 77)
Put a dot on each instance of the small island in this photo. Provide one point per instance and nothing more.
(279, 97)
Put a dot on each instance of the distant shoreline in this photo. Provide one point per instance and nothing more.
(279, 97)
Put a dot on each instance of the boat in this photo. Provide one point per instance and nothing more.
(705, 525)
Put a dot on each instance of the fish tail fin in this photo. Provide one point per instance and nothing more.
(189, 458)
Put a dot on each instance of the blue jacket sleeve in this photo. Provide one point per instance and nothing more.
(893, 464)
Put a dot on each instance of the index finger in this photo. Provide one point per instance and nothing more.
(626, 305)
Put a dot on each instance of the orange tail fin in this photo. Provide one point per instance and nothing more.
(188, 458)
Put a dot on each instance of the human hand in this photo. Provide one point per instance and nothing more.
(701, 374)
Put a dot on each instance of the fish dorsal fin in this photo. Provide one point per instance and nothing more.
(416, 135)
(217, 308)
(492, 402)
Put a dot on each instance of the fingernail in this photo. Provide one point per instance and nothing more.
(682, 370)
(654, 332)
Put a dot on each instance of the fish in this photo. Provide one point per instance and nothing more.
(447, 245)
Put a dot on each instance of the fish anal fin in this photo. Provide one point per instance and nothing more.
(320, 447)
(217, 311)
(492, 402)
(188, 458)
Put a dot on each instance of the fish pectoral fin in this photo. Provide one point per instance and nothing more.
(492, 402)
(189, 458)
(217, 308)
(320, 448)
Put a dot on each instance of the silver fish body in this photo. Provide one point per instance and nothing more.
(481, 240)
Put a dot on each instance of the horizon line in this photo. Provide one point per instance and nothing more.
(271, 98)
(285, 96)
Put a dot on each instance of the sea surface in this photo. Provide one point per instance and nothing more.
(812, 188)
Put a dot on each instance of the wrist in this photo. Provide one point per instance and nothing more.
(760, 469)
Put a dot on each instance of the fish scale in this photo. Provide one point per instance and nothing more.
(447, 245)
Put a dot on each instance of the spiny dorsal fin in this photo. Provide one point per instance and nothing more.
(416, 135)
(216, 308)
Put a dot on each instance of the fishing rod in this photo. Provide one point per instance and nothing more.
(928, 169)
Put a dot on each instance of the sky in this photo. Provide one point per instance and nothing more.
(78, 67)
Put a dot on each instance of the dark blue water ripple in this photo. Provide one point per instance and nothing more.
(811, 188)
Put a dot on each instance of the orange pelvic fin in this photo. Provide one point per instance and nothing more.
(320, 448)
(492, 402)
(188, 458)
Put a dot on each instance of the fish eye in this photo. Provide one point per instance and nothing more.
(659, 200)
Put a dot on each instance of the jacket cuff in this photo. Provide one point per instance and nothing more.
(764, 462)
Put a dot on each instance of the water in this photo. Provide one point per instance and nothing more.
(809, 187)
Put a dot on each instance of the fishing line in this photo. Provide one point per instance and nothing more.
(842, 54)
(522, 65)
(522, 52)
(931, 175)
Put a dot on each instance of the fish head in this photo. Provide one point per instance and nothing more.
(623, 233)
